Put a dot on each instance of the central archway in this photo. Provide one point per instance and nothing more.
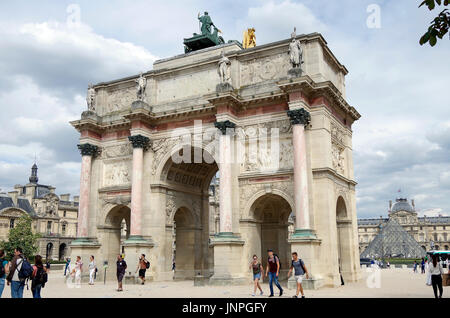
(187, 208)
(271, 213)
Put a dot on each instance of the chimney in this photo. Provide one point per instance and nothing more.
(76, 198)
(14, 195)
(52, 189)
(65, 197)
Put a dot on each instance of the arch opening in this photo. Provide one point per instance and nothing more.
(344, 239)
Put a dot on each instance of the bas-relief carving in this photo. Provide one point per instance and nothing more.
(116, 151)
(117, 173)
(254, 158)
(119, 99)
(338, 148)
(264, 69)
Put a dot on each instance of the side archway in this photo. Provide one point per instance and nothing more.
(344, 239)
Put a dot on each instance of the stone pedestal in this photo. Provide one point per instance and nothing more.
(141, 105)
(85, 248)
(295, 72)
(228, 251)
(224, 87)
(307, 245)
(134, 247)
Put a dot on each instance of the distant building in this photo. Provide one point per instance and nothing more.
(54, 217)
(427, 231)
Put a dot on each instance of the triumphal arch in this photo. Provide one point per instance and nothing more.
(269, 124)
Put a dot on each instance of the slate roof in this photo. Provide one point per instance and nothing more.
(393, 241)
(41, 191)
(22, 203)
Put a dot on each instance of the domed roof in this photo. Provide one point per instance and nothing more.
(402, 205)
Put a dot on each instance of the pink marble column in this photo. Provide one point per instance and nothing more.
(299, 119)
(225, 187)
(139, 143)
(87, 151)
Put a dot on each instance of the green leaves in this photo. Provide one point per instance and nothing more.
(21, 236)
(439, 26)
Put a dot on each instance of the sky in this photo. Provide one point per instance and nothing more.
(51, 50)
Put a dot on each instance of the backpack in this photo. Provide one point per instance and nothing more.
(2, 268)
(40, 278)
(26, 270)
(147, 264)
(301, 264)
(275, 256)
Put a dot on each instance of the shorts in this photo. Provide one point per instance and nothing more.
(142, 272)
(299, 278)
(120, 277)
(257, 276)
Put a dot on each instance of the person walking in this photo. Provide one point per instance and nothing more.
(300, 270)
(67, 265)
(39, 277)
(77, 272)
(436, 272)
(92, 269)
(121, 267)
(415, 267)
(4, 270)
(13, 276)
(257, 270)
(422, 266)
(142, 267)
(273, 271)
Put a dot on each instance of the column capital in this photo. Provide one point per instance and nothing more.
(139, 141)
(299, 117)
(88, 149)
(223, 125)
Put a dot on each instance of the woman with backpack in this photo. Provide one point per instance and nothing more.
(257, 268)
(92, 270)
(436, 271)
(39, 277)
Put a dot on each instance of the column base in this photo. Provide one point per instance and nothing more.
(228, 261)
(306, 244)
(134, 246)
(84, 247)
(307, 284)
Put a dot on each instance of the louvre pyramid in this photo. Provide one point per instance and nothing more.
(393, 241)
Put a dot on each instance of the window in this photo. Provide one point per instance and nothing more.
(11, 223)
(63, 229)
(64, 214)
(49, 227)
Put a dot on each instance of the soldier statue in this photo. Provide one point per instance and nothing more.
(90, 99)
(141, 87)
(295, 51)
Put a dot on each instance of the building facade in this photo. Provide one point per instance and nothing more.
(429, 232)
(136, 129)
(53, 217)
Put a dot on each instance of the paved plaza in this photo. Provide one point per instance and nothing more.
(393, 283)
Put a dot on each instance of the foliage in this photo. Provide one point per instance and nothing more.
(21, 236)
(439, 26)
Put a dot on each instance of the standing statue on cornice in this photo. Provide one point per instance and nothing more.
(225, 69)
(295, 51)
(141, 87)
(90, 99)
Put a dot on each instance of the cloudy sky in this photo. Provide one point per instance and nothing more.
(51, 50)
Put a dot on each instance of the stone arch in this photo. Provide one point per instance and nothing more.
(260, 193)
(174, 204)
(62, 251)
(49, 251)
(109, 232)
(13, 212)
(269, 226)
(164, 160)
(344, 239)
